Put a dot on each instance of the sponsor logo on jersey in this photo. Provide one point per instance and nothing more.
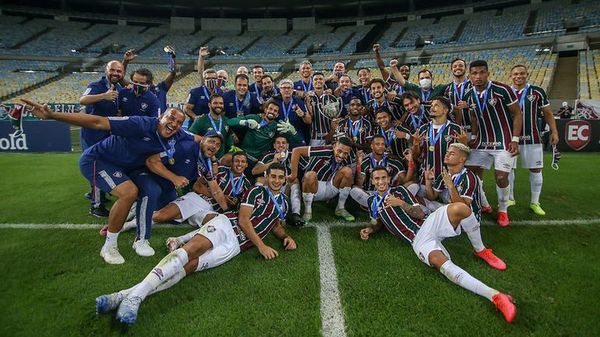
(147, 139)
(578, 134)
(210, 228)
(144, 106)
(124, 99)
(118, 174)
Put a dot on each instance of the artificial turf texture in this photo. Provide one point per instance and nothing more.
(51, 277)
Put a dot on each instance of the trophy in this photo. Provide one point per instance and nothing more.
(170, 57)
(330, 106)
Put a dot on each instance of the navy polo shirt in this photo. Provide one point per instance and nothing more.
(199, 97)
(160, 91)
(104, 108)
(248, 105)
(144, 105)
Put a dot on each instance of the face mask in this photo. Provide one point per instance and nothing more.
(425, 83)
(221, 82)
(211, 83)
(139, 89)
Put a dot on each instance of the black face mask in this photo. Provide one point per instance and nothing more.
(139, 89)
(211, 84)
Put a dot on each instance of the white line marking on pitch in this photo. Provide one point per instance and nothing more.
(332, 316)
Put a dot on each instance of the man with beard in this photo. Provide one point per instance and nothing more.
(321, 124)
(293, 110)
(304, 84)
(396, 136)
(416, 114)
(496, 131)
(261, 131)
(431, 141)
(363, 186)
(379, 101)
(398, 211)
(240, 102)
(425, 88)
(258, 72)
(107, 163)
(160, 90)
(455, 91)
(362, 89)
(355, 126)
(326, 176)
(210, 196)
(534, 102)
(262, 210)
(267, 89)
(216, 122)
(345, 92)
(339, 69)
(100, 99)
(198, 99)
(138, 100)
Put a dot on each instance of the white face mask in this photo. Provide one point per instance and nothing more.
(425, 83)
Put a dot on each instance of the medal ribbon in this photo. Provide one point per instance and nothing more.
(523, 95)
(376, 203)
(437, 136)
(458, 176)
(354, 127)
(236, 186)
(382, 162)
(287, 110)
(388, 135)
(485, 97)
(214, 125)
(415, 123)
(310, 85)
(171, 150)
(425, 98)
(280, 207)
(459, 93)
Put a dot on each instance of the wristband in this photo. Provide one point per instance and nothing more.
(357, 168)
(515, 139)
(473, 137)
(411, 165)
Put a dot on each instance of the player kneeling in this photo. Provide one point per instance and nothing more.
(398, 211)
(262, 210)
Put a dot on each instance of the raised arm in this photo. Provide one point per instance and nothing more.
(380, 63)
(79, 119)
(202, 53)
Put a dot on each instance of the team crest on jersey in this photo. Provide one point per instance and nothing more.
(147, 139)
(144, 106)
(125, 99)
(271, 134)
(210, 228)
(531, 98)
(492, 101)
(202, 97)
(118, 174)
(259, 201)
(187, 161)
(447, 138)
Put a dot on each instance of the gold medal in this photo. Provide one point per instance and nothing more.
(373, 222)
(172, 161)
(355, 139)
(431, 148)
(234, 200)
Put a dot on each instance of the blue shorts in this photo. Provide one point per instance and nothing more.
(101, 174)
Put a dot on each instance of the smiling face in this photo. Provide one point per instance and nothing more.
(239, 163)
(381, 180)
(267, 84)
(281, 144)
(382, 119)
(318, 81)
(272, 111)
(217, 106)
(341, 152)
(114, 71)
(377, 90)
(405, 71)
(378, 146)
(355, 108)
(345, 82)
(241, 86)
(258, 73)
(339, 68)
(210, 146)
(306, 70)
(286, 90)
(458, 68)
(170, 122)
(411, 105)
(364, 77)
(275, 180)
(519, 76)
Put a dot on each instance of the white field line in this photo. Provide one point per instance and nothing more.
(314, 224)
(332, 315)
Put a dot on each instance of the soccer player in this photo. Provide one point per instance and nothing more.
(432, 139)
(417, 114)
(345, 92)
(262, 211)
(390, 83)
(100, 99)
(258, 72)
(496, 129)
(138, 100)
(261, 131)
(362, 89)
(398, 211)
(107, 163)
(363, 186)
(355, 127)
(455, 91)
(321, 124)
(216, 122)
(533, 102)
(396, 137)
(326, 176)
(240, 102)
(160, 90)
(293, 110)
(221, 193)
(304, 84)
(379, 100)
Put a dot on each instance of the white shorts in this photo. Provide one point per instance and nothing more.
(191, 204)
(360, 196)
(532, 156)
(434, 230)
(502, 159)
(225, 243)
(326, 191)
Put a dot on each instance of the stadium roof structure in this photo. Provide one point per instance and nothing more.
(246, 8)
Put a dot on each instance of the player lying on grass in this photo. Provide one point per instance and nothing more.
(398, 211)
(107, 164)
(262, 210)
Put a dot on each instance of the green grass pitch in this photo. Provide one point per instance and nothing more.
(51, 277)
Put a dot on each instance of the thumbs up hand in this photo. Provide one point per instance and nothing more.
(111, 94)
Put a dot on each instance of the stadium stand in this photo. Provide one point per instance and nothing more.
(18, 75)
(589, 73)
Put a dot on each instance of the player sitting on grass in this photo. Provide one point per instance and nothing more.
(398, 211)
(262, 210)
(326, 175)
